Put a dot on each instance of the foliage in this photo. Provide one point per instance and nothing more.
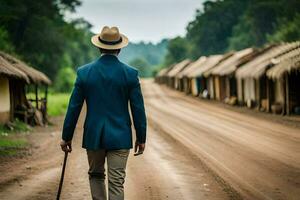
(209, 32)
(9, 146)
(225, 25)
(287, 31)
(40, 35)
(64, 80)
(5, 43)
(177, 51)
(153, 54)
(142, 65)
(57, 103)
(145, 56)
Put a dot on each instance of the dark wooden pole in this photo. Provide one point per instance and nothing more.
(36, 97)
(257, 93)
(46, 97)
(287, 94)
(268, 94)
(283, 93)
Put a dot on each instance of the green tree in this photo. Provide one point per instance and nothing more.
(142, 66)
(208, 33)
(261, 20)
(64, 80)
(152, 53)
(178, 49)
(5, 43)
(287, 31)
(42, 37)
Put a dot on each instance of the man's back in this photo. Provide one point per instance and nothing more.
(107, 85)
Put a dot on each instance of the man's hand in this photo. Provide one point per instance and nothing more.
(139, 148)
(66, 146)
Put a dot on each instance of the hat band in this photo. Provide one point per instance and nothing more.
(110, 42)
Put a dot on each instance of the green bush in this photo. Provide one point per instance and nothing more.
(64, 80)
(58, 103)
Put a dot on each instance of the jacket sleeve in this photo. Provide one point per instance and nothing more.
(74, 108)
(138, 110)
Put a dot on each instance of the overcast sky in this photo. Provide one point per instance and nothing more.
(141, 20)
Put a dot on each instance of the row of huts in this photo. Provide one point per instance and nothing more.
(16, 77)
(267, 79)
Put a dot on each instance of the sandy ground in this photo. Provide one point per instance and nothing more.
(195, 150)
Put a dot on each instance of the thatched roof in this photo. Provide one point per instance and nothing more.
(178, 67)
(230, 65)
(210, 62)
(162, 72)
(285, 64)
(192, 67)
(258, 66)
(224, 57)
(9, 70)
(34, 75)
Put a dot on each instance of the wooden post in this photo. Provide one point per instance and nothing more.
(227, 86)
(268, 94)
(11, 99)
(257, 93)
(287, 94)
(46, 97)
(283, 93)
(36, 97)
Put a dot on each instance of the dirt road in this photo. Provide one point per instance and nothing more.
(259, 158)
(196, 150)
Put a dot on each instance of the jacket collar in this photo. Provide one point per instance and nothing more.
(108, 58)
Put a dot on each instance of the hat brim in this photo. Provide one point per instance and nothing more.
(95, 41)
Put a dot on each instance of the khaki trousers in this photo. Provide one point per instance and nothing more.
(116, 166)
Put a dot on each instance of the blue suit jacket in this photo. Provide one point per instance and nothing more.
(107, 85)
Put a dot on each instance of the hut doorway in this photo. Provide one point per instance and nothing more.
(294, 92)
(232, 86)
(262, 95)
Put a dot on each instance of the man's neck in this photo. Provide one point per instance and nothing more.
(112, 54)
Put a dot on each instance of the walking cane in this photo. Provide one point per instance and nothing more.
(62, 176)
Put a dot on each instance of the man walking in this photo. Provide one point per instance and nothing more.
(107, 85)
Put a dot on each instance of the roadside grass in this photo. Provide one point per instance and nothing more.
(57, 103)
(9, 145)
(16, 127)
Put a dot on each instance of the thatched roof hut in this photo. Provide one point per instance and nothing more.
(178, 68)
(34, 75)
(210, 62)
(192, 67)
(230, 65)
(285, 64)
(15, 75)
(258, 66)
(7, 69)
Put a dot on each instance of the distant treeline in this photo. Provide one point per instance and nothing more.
(38, 33)
(225, 25)
(147, 57)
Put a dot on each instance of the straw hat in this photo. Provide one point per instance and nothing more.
(110, 38)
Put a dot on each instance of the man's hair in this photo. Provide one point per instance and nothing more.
(109, 51)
